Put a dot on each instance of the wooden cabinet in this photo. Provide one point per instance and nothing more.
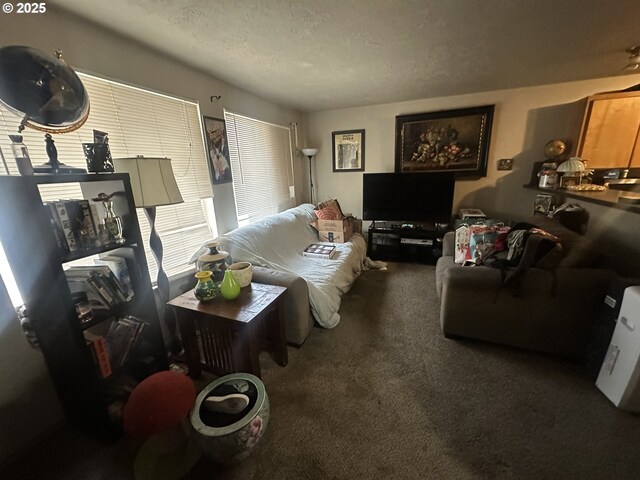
(37, 262)
(609, 136)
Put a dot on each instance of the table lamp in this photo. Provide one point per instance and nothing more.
(572, 171)
(309, 153)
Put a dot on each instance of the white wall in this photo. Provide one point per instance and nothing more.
(93, 49)
(525, 120)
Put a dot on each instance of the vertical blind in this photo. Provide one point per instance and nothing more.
(139, 122)
(260, 165)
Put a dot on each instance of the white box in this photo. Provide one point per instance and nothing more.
(619, 377)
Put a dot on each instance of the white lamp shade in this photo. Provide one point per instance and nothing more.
(152, 180)
(574, 164)
(309, 152)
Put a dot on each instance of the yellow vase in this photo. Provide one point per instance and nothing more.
(229, 288)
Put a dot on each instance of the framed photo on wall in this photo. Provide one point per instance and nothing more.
(215, 134)
(348, 151)
(452, 141)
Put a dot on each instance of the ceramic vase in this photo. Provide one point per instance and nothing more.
(229, 288)
(228, 438)
(206, 289)
(214, 260)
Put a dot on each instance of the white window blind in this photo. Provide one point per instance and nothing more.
(139, 122)
(260, 165)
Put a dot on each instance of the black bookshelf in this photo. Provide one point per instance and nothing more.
(36, 261)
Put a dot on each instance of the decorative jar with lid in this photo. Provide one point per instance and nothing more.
(214, 260)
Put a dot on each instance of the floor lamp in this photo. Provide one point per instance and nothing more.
(153, 185)
(309, 153)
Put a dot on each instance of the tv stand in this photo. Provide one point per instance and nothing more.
(405, 241)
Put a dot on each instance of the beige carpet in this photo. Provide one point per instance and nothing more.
(385, 396)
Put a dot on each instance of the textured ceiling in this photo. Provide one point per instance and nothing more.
(325, 54)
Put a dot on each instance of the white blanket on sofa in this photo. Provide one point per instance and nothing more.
(278, 241)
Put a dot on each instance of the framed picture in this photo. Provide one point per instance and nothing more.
(543, 203)
(215, 134)
(451, 141)
(348, 151)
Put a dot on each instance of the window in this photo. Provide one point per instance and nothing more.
(261, 167)
(139, 122)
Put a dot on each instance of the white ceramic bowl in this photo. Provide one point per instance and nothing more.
(242, 272)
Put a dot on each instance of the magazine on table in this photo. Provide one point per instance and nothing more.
(319, 250)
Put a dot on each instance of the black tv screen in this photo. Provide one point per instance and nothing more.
(424, 197)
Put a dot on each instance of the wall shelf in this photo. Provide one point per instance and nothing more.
(608, 198)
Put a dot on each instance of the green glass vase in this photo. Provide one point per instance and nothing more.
(229, 287)
(206, 289)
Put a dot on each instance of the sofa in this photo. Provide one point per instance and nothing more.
(315, 286)
(474, 303)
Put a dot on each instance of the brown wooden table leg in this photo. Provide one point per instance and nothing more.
(279, 334)
(251, 347)
(187, 329)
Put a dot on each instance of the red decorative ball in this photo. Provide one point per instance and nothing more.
(158, 403)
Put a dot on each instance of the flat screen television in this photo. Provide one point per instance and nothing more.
(426, 197)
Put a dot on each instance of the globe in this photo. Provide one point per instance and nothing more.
(554, 148)
(42, 89)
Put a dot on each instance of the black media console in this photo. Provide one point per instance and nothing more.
(412, 242)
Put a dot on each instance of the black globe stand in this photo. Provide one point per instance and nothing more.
(54, 165)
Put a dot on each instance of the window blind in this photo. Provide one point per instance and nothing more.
(139, 122)
(260, 165)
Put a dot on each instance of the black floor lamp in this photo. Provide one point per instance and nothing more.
(309, 153)
(153, 185)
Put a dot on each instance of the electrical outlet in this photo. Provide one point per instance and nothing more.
(505, 164)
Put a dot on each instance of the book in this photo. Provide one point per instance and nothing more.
(65, 224)
(89, 223)
(100, 353)
(77, 222)
(122, 337)
(118, 266)
(107, 279)
(56, 226)
(89, 281)
(319, 250)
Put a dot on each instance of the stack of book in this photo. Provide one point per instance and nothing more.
(122, 337)
(319, 250)
(75, 223)
(104, 290)
(114, 348)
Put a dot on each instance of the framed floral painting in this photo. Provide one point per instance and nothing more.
(448, 141)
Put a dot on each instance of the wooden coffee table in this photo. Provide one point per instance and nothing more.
(225, 336)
